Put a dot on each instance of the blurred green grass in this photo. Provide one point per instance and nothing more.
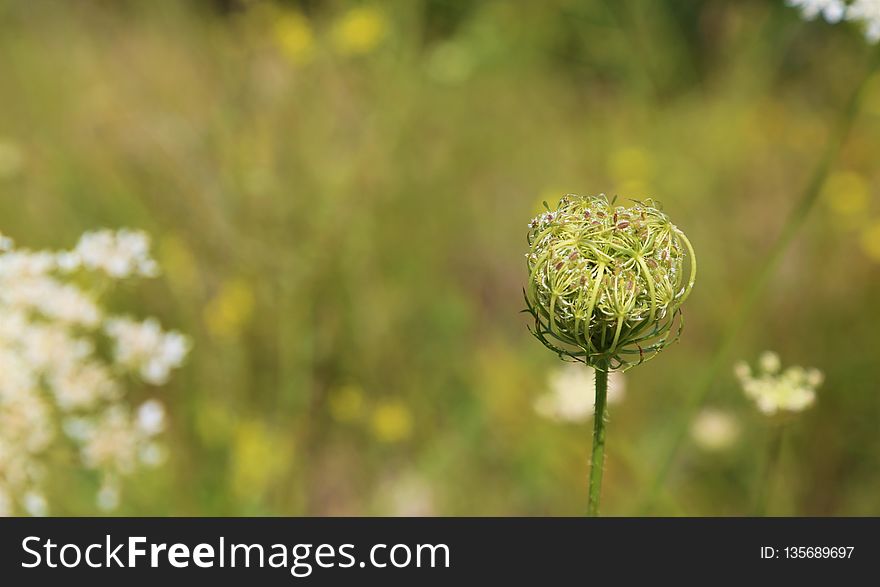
(339, 196)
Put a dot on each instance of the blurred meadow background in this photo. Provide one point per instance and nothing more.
(338, 196)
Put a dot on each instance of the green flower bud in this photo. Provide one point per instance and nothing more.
(606, 282)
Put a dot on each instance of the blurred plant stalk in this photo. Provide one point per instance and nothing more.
(758, 284)
(764, 489)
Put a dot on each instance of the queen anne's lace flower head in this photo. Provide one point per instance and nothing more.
(606, 282)
(52, 372)
(776, 391)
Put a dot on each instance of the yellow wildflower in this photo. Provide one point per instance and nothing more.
(295, 38)
(846, 193)
(346, 403)
(871, 240)
(392, 422)
(258, 457)
(230, 310)
(359, 31)
(179, 262)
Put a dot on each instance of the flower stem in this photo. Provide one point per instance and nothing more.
(765, 482)
(759, 281)
(597, 463)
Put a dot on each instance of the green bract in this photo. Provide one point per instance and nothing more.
(606, 282)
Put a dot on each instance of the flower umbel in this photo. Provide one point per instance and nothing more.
(606, 282)
(776, 391)
(56, 382)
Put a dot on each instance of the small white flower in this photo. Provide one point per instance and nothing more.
(815, 377)
(151, 417)
(108, 496)
(572, 393)
(145, 347)
(408, 495)
(35, 504)
(715, 430)
(68, 262)
(152, 454)
(742, 371)
(770, 362)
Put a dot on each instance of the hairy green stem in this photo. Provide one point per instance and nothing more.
(597, 463)
(792, 226)
(771, 463)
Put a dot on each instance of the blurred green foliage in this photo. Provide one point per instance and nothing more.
(339, 196)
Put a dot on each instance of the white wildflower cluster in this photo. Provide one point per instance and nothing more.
(62, 358)
(831, 10)
(572, 393)
(776, 391)
(863, 12)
